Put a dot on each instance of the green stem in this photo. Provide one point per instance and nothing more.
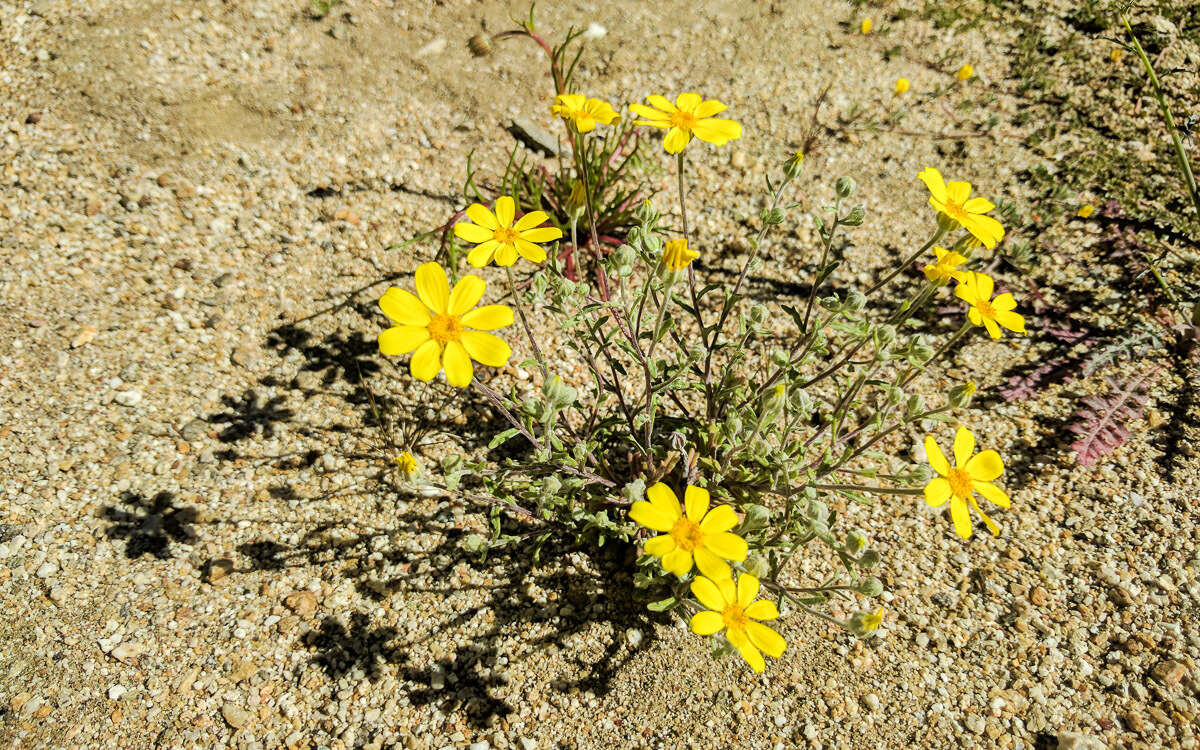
(907, 261)
(875, 490)
(537, 350)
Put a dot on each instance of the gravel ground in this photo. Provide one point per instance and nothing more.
(194, 551)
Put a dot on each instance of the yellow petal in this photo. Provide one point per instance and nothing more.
(404, 307)
(478, 213)
(763, 609)
(933, 180)
(506, 255)
(432, 287)
(958, 192)
(696, 500)
(402, 339)
(658, 102)
(426, 361)
(465, 230)
(506, 208)
(964, 446)
(987, 520)
(975, 316)
(678, 562)
(660, 545)
(1004, 302)
(652, 114)
(770, 642)
(717, 131)
(993, 494)
(720, 518)
(992, 329)
(457, 364)
(664, 500)
(542, 234)
(708, 109)
(741, 641)
(985, 229)
(687, 102)
(985, 467)
(709, 594)
(707, 623)
(531, 220)
(937, 459)
(486, 349)
(652, 518)
(727, 545)
(710, 565)
(978, 205)
(1011, 320)
(467, 293)
(937, 492)
(728, 589)
(961, 517)
(676, 140)
(481, 255)
(488, 317)
(531, 252)
(984, 286)
(747, 589)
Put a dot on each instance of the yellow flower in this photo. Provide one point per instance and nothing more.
(965, 72)
(499, 239)
(946, 267)
(958, 485)
(902, 86)
(863, 623)
(583, 113)
(1118, 54)
(678, 256)
(408, 465)
(434, 324)
(696, 533)
(955, 201)
(1085, 211)
(688, 116)
(873, 621)
(733, 609)
(976, 290)
(865, 26)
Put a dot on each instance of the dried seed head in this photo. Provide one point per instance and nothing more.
(480, 45)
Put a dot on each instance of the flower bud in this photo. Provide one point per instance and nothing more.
(634, 491)
(884, 335)
(793, 166)
(870, 587)
(868, 560)
(474, 544)
(757, 517)
(921, 351)
(855, 217)
(772, 216)
(551, 485)
(915, 406)
(855, 541)
(780, 358)
(646, 213)
(480, 45)
(817, 510)
(533, 408)
(844, 187)
(756, 566)
(922, 474)
(758, 314)
(855, 300)
(558, 394)
(894, 395)
(451, 464)
(960, 395)
(864, 623)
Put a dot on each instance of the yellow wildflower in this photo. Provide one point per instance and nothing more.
(954, 200)
(1085, 211)
(971, 474)
(976, 290)
(499, 239)
(583, 113)
(694, 532)
(946, 267)
(864, 623)
(688, 116)
(902, 86)
(865, 26)
(677, 255)
(408, 465)
(434, 324)
(1118, 54)
(732, 608)
(965, 72)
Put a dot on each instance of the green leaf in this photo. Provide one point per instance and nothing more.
(502, 437)
(662, 605)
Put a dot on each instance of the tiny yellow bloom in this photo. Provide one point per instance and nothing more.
(976, 290)
(677, 255)
(902, 86)
(1085, 211)
(434, 324)
(732, 608)
(499, 239)
(965, 72)
(408, 465)
(959, 484)
(954, 200)
(691, 532)
(1118, 54)
(688, 116)
(863, 623)
(865, 26)
(946, 267)
(583, 113)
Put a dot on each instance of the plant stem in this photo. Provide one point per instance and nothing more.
(907, 261)
(875, 490)
(537, 350)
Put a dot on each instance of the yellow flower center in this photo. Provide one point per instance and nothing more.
(985, 308)
(956, 211)
(687, 534)
(683, 120)
(734, 617)
(445, 328)
(961, 484)
(506, 236)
